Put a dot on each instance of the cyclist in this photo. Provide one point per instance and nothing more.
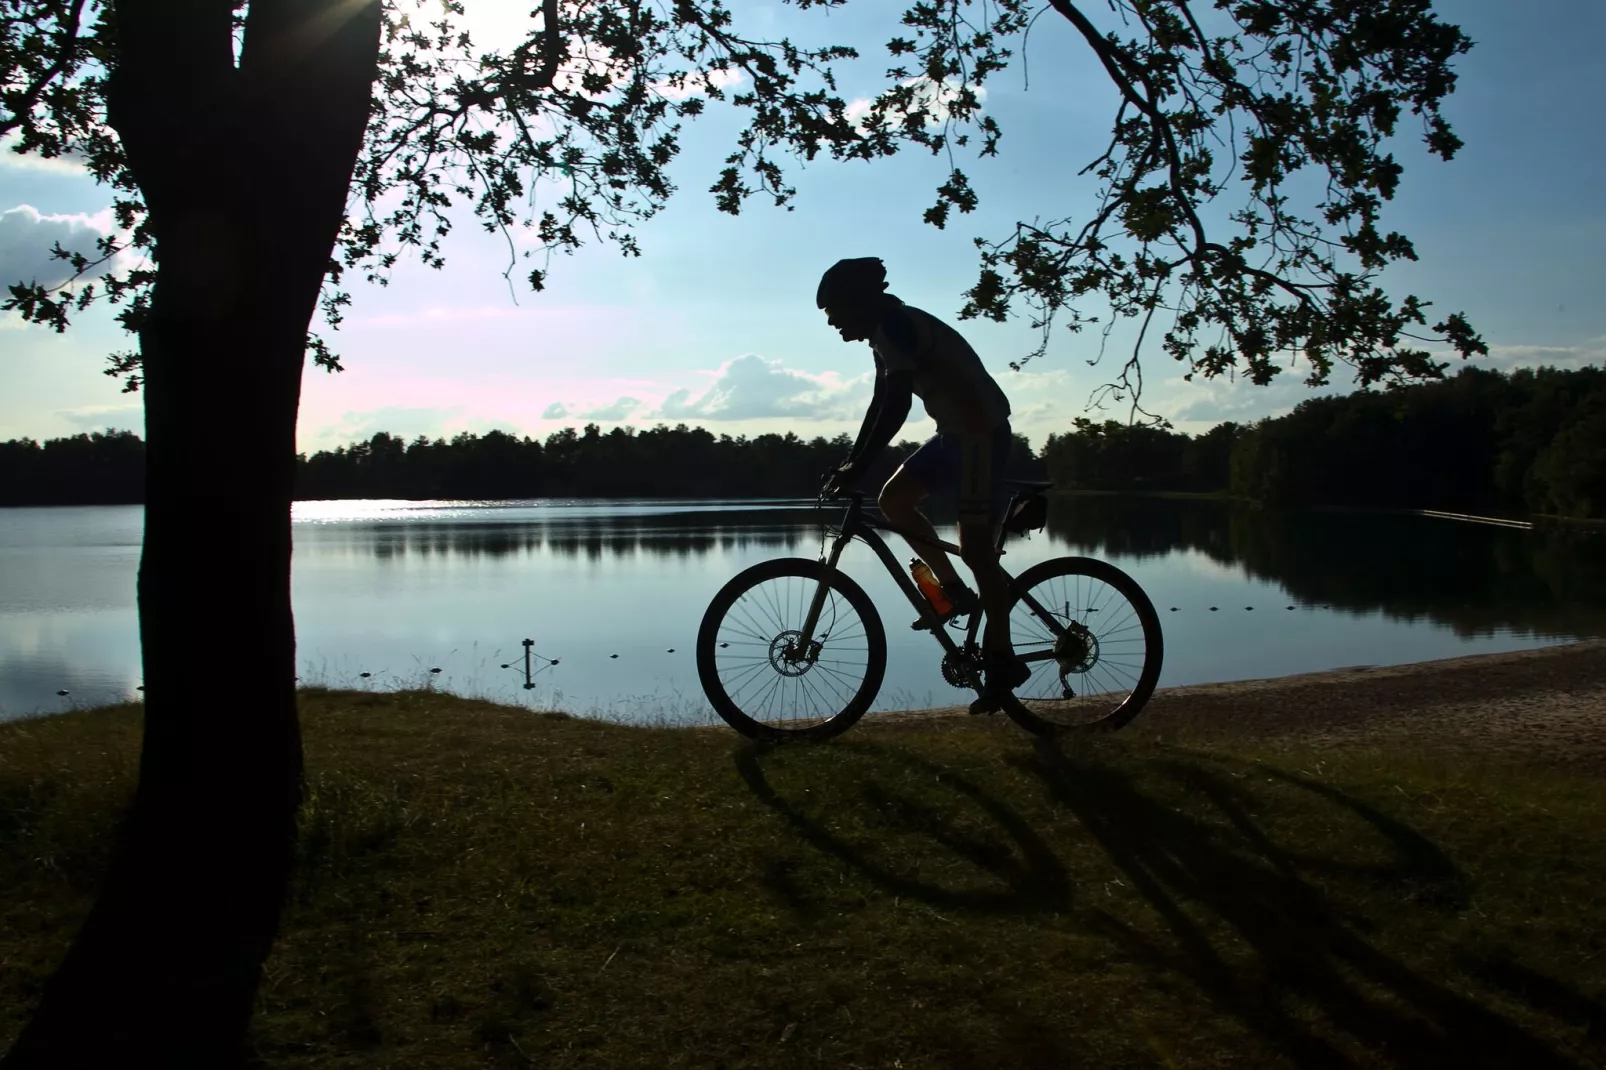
(916, 353)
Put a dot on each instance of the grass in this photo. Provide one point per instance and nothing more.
(487, 887)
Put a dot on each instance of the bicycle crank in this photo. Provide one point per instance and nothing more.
(962, 670)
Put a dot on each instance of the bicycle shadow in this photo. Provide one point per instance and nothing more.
(1025, 875)
(1260, 929)
(1285, 944)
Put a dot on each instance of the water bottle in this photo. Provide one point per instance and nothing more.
(927, 582)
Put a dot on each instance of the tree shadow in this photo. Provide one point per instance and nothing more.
(1032, 879)
(1287, 948)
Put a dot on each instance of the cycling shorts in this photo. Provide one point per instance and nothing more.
(971, 465)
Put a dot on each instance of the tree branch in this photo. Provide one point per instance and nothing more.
(66, 56)
(551, 57)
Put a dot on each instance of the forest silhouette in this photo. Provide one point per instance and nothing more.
(1531, 441)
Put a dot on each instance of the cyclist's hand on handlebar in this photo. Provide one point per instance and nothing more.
(841, 481)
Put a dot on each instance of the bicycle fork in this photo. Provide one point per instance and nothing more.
(807, 649)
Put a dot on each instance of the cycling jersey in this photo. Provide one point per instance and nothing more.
(959, 394)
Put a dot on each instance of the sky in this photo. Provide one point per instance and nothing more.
(715, 323)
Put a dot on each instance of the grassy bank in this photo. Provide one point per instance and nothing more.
(486, 887)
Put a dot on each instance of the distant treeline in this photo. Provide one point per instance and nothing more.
(104, 468)
(661, 461)
(1532, 441)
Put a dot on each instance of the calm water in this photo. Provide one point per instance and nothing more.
(394, 589)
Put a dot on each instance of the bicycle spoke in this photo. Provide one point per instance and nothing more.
(775, 675)
(1083, 634)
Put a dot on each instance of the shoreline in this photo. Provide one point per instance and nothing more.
(1547, 703)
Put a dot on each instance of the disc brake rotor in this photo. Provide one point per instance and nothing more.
(789, 658)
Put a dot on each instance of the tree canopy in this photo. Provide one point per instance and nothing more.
(1238, 219)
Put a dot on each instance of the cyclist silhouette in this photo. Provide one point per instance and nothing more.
(918, 354)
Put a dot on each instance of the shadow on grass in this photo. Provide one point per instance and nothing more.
(1032, 879)
(1304, 951)
(1247, 920)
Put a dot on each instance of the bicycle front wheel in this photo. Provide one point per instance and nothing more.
(1092, 639)
(770, 682)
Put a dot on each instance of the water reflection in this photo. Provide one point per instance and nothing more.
(616, 589)
(1474, 578)
(669, 534)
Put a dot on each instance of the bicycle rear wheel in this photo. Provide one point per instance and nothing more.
(1093, 641)
(760, 676)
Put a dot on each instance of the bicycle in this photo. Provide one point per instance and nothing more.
(1086, 629)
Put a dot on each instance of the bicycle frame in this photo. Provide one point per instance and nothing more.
(856, 524)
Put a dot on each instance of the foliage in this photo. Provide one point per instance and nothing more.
(104, 467)
(589, 104)
(1283, 102)
(1530, 441)
(1273, 100)
(660, 461)
(54, 59)
(1117, 456)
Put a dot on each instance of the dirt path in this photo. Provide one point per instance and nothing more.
(1547, 704)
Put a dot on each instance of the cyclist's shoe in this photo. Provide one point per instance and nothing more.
(962, 602)
(1002, 677)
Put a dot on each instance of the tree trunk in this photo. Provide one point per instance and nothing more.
(245, 171)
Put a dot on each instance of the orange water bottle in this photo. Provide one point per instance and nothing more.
(927, 582)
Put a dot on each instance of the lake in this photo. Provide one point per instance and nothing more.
(612, 591)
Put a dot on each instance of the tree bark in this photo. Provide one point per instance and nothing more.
(245, 169)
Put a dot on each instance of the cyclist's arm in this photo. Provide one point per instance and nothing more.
(888, 410)
(869, 416)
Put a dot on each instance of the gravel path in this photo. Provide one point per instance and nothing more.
(1546, 705)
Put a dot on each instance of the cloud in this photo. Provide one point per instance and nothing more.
(11, 159)
(694, 87)
(26, 236)
(1508, 357)
(1242, 401)
(402, 421)
(105, 417)
(935, 97)
(617, 410)
(752, 388)
(555, 411)
(440, 315)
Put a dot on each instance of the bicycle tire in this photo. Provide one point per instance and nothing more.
(1080, 650)
(742, 630)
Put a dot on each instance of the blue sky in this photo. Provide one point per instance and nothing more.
(715, 323)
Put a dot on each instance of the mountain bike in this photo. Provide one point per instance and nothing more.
(793, 649)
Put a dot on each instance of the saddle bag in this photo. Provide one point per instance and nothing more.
(1027, 514)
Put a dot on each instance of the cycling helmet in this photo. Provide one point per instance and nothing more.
(849, 282)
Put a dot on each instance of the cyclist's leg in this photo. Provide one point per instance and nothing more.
(981, 465)
(928, 470)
